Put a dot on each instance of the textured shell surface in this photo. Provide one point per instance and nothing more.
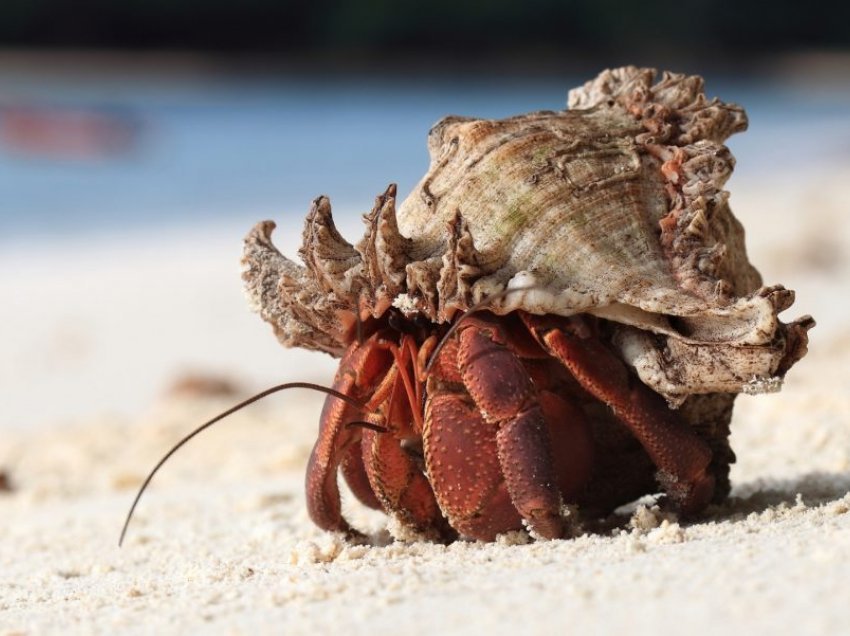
(614, 207)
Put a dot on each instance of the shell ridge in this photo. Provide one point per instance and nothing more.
(459, 270)
(384, 253)
(421, 278)
(673, 110)
(283, 293)
(694, 177)
(333, 261)
(682, 367)
(685, 131)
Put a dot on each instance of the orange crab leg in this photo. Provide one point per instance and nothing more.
(681, 457)
(396, 480)
(401, 361)
(410, 346)
(352, 464)
(354, 471)
(361, 369)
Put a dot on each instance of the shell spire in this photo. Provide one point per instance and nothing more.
(460, 270)
(332, 260)
(674, 110)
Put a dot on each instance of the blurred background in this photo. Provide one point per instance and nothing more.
(140, 140)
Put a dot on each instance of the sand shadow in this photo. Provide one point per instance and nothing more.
(813, 489)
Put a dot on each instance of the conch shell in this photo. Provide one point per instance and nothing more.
(614, 207)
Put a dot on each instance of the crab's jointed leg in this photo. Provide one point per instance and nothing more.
(361, 370)
(395, 476)
(462, 456)
(399, 484)
(354, 471)
(681, 457)
(490, 400)
(378, 470)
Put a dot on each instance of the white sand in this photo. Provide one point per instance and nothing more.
(222, 543)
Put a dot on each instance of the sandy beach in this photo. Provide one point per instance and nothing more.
(100, 332)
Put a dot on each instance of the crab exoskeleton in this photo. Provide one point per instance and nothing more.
(607, 373)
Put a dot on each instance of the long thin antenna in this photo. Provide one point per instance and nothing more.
(221, 416)
(369, 425)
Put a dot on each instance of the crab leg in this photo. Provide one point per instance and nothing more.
(681, 457)
(361, 369)
(507, 402)
(395, 478)
(399, 484)
(572, 444)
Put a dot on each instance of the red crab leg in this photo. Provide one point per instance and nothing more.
(570, 434)
(360, 370)
(681, 457)
(352, 465)
(572, 444)
(410, 346)
(506, 399)
(394, 476)
(402, 356)
(398, 482)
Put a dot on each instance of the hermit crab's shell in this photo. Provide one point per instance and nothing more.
(613, 207)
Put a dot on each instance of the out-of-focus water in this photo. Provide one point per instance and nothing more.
(200, 149)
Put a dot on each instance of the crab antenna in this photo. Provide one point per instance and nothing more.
(221, 416)
(484, 304)
(370, 425)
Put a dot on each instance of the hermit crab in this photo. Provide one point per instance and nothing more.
(557, 319)
(561, 312)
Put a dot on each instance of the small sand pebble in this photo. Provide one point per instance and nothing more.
(193, 385)
(5, 482)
